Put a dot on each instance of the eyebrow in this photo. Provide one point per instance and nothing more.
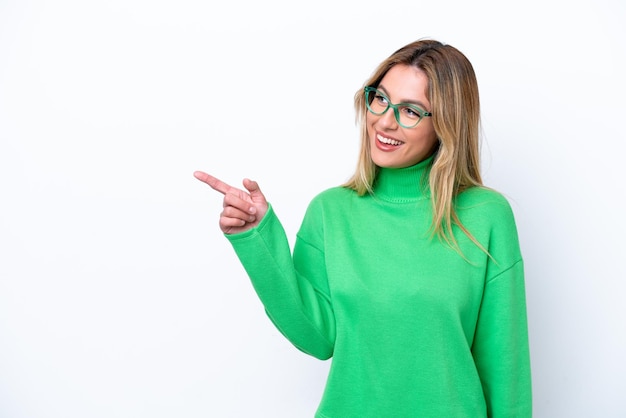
(413, 102)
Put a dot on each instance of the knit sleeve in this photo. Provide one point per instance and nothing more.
(299, 309)
(500, 347)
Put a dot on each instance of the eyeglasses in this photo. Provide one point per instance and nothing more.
(407, 115)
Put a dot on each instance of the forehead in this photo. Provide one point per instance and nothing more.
(405, 83)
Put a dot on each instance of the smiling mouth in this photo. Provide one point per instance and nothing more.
(388, 141)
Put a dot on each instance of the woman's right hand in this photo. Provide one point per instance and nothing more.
(243, 210)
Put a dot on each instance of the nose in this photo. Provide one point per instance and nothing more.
(388, 119)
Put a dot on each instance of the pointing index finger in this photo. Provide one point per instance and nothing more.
(214, 182)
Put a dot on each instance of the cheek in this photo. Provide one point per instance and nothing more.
(369, 125)
(428, 135)
(432, 142)
(369, 121)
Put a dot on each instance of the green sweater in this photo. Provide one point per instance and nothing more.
(413, 328)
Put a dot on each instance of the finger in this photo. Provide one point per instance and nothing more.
(232, 212)
(238, 203)
(226, 223)
(214, 182)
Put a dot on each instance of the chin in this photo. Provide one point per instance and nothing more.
(386, 163)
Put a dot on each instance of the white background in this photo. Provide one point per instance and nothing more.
(119, 297)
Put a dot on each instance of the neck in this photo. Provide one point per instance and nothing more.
(403, 184)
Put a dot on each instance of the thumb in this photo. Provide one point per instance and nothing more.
(253, 188)
(251, 185)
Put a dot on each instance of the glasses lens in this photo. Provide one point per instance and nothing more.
(376, 102)
(407, 116)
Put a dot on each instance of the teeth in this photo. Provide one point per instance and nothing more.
(388, 141)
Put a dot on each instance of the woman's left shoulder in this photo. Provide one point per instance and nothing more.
(486, 201)
(481, 194)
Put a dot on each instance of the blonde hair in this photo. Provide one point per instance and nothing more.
(453, 94)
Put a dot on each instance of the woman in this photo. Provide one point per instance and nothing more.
(410, 275)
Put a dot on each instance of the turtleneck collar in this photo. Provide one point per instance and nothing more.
(401, 185)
